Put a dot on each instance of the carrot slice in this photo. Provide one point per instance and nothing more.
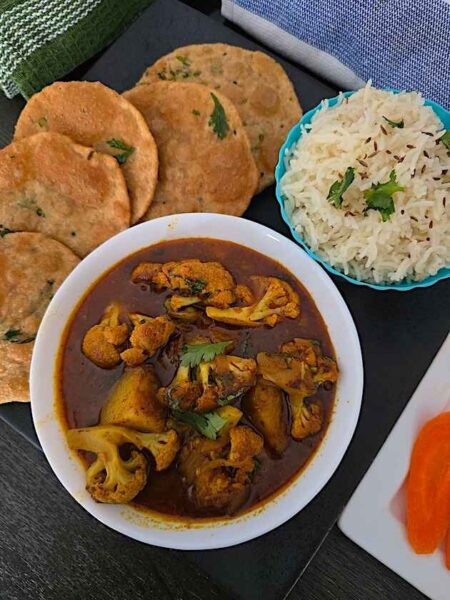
(428, 491)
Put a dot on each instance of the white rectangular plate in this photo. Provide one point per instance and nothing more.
(375, 516)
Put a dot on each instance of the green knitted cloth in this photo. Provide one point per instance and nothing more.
(43, 40)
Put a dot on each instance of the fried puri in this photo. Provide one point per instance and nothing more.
(33, 266)
(256, 84)
(52, 185)
(205, 161)
(94, 115)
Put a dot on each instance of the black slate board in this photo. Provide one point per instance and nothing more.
(400, 332)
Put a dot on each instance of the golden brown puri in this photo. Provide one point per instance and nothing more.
(15, 360)
(52, 185)
(94, 115)
(256, 84)
(205, 162)
(33, 266)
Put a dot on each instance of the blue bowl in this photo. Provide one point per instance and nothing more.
(292, 138)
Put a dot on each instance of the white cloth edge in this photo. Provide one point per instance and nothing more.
(325, 65)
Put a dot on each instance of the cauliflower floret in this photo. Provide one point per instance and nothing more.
(245, 444)
(244, 294)
(322, 367)
(307, 418)
(208, 283)
(224, 380)
(101, 341)
(133, 402)
(220, 470)
(220, 381)
(148, 336)
(111, 478)
(182, 392)
(133, 357)
(299, 370)
(163, 446)
(277, 301)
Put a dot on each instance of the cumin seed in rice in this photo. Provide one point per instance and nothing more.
(361, 162)
(383, 130)
(425, 153)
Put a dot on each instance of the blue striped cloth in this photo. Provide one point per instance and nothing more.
(401, 44)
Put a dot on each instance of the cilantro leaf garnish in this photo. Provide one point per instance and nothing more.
(117, 144)
(445, 139)
(394, 124)
(379, 197)
(340, 186)
(183, 60)
(16, 336)
(196, 285)
(218, 119)
(42, 122)
(193, 354)
(4, 231)
(208, 424)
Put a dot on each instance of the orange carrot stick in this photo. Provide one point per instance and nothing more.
(428, 492)
(447, 551)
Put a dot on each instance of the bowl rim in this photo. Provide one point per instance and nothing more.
(292, 138)
(302, 489)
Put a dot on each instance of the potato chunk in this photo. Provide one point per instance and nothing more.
(133, 402)
(264, 405)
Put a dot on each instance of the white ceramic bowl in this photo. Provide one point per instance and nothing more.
(215, 534)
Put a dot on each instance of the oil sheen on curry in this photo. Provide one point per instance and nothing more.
(197, 378)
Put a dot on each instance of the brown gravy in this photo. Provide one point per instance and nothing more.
(83, 387)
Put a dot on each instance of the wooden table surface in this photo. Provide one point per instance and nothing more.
(51, 549)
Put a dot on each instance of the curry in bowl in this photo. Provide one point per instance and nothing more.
(195, 379)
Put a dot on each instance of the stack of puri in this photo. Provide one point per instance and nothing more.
(82, 167)
(200, 132)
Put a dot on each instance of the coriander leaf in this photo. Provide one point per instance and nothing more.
(445, 139)
(193, 354)
(16, 336)
(379, 197)
(218, 119)
(208, 424)
(4, 231)
(393, 124)
(42, 122)
(183, 60)
(196, 286)
(40, 212)
(121, 145)
(225, 400)
(340, 186)
(196, 112)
